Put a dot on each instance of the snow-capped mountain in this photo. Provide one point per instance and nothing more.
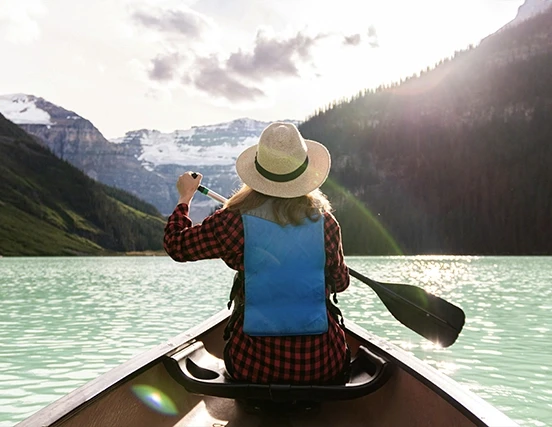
(211, 145)
(143, 162)
(529, 9)
(76, 140)
(23, 109)
(211, 150)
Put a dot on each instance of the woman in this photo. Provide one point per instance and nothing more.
(278, 233)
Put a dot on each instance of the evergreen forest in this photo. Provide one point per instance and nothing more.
(455, 160)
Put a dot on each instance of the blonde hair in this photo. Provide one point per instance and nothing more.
(285, 211)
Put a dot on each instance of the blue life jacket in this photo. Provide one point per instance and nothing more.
(285, 290)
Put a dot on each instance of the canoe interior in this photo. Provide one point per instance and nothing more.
(408, 398)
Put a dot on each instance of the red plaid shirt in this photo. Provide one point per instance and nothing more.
(297, 359)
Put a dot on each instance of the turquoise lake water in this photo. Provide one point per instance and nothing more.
(64, 321)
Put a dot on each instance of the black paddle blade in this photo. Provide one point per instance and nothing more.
(426, 314)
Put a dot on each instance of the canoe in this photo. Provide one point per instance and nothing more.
(182, 383)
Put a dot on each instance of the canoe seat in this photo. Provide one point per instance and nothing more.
(202, 373)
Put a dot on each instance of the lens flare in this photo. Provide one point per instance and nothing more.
(368, 218)
(155, 399)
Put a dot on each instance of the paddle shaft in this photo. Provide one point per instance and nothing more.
(212, 194)
(424, 313)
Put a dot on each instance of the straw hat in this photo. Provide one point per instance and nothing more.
(283, 163)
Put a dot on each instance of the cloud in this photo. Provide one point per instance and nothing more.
(269, 58)
(373, 37)
(353, 40)
(18, 20)
(356, 39)
(236, 76)
(184, 22)
(273, 57)
(213, 79)
(165, 67)
(372, 31)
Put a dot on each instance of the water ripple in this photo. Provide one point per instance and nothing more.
(503, 353)
(64, 321)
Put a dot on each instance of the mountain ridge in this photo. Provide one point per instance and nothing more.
(432, 158)
(144, 162)
(452, 161)
(49, 207)
(530, 9)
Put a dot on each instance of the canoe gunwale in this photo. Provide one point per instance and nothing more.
(480, 412)
(88, 392)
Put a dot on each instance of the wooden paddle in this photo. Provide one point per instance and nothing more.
(426, 314)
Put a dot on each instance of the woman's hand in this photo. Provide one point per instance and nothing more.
(187, 186)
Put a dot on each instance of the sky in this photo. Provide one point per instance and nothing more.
(172, 64)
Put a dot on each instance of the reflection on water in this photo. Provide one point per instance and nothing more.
(503, 352)
(64, 321)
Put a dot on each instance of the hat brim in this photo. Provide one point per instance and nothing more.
(314, 176)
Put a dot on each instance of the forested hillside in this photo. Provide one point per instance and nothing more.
(48, 207)
(453, 161)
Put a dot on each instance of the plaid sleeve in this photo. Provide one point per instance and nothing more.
(218, 236)
(335, 262)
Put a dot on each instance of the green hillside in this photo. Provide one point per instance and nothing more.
(48, 207)
(455, 160)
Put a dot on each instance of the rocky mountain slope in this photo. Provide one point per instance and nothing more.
(144, 162)
(77, 141)
(453, 160)
(211, 150)
(49, 207)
